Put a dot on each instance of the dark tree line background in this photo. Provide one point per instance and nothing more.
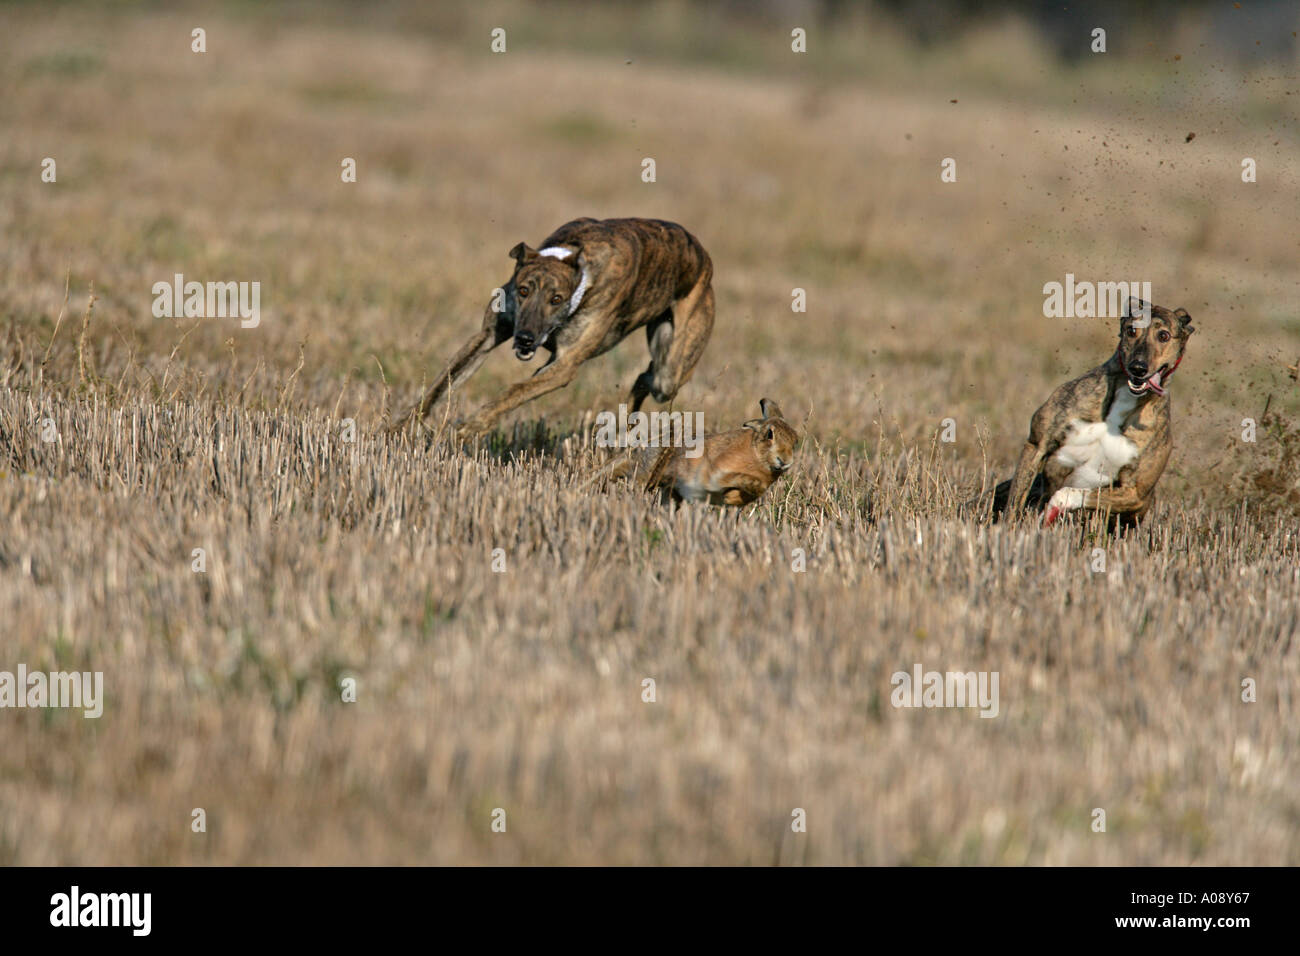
(1259, 30)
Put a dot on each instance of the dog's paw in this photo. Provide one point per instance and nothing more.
(1066, 499)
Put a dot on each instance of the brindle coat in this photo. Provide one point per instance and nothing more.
(1148, 354)
(591, 284)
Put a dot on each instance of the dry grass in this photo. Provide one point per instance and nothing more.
(522, 689)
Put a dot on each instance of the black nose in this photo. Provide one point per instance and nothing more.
(1137, 370)
(525, 341)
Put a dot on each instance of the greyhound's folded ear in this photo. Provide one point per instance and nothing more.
(769, 408)
(523, 252)
(1135, 308)
(1184, 320)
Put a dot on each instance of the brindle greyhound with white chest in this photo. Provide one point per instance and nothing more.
(591, 284)
(1102, 441)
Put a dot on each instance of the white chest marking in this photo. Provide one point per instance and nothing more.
(1096, 451)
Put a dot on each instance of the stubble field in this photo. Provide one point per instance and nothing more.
(372, 559)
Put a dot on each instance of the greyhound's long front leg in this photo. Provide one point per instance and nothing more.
(465, 363)
(1130, 497)
(556, 374)
(1031, 460)
(475, 348)
(1114, 500)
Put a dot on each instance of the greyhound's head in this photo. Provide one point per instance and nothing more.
(774, 438)
(549, 286)
(1151, 343)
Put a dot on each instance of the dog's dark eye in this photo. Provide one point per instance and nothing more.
(1163, 336)
(556, 299)
(1132, 332)
(523, 292)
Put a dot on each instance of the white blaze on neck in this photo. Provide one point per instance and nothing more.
(1097, 451)
(576, 299)
(556, 252)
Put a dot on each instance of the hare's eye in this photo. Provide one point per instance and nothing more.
(523, 292)
(771, 433)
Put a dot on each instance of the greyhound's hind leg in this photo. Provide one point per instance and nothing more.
(658, 334)
(676, 346)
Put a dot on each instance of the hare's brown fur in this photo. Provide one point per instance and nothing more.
(734, 468)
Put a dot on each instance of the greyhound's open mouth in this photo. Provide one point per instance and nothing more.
(525, 353)
(1153, 383)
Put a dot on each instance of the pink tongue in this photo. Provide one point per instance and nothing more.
(1155, 381)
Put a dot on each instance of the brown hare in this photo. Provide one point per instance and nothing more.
(734, 467)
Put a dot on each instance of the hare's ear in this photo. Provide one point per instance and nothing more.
(754, 425)
(1184, 320)
(770, 408)
(523, 252)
